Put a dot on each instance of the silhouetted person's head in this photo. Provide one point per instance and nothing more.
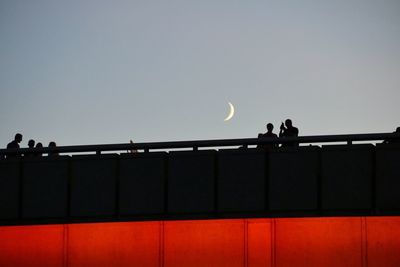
(18, 137)
(270, 127)
(288, 123)
(397, 130)
(31, 143)
(52, 144)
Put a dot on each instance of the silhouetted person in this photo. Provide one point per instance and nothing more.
(268, 134)
(31, 144)
(38, 145)
(52, 145)
(14, 144)
(288, 130)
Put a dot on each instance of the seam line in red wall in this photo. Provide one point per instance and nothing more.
(365, 243)
(65, 244)
(273, 239)
(161, 248)
(246, 246)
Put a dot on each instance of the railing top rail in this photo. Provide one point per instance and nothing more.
(348, 138)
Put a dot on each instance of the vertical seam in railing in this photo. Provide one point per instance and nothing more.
(117, 187)
(21, 189)
(69, 181)
(166, 175)
(216, 173)
(319, 182)
(374, 181)
(266, 180)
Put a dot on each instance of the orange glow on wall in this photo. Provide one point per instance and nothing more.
(336, 241)
(208, 243)
(32, 246)
(114, 244)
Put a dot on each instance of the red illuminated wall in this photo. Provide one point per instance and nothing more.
(352, 241)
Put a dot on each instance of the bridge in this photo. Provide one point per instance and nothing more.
(331, 201)
(203, 180)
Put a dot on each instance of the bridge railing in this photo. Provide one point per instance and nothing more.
(218, 143)
(209, 179)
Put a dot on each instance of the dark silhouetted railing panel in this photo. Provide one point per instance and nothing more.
(241, 180)
(191, 182)
(388, 177)
(346, 177)
(9, 188)
(45, 187)
(93, 185)
(293, 179)
(141, 183)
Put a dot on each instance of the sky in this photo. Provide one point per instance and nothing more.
(98, 72)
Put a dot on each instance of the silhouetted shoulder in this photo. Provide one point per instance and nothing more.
(268, 135)
(13, 144)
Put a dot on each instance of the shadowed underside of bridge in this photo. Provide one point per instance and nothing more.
(335, 205)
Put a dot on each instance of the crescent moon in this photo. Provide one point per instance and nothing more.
(231, 112)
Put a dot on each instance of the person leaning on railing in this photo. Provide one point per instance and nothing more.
(31, 144)
(268, 134)
(39, 146)
(14, 145)
(53, 145)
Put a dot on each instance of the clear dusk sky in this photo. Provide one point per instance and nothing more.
(89, 72)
